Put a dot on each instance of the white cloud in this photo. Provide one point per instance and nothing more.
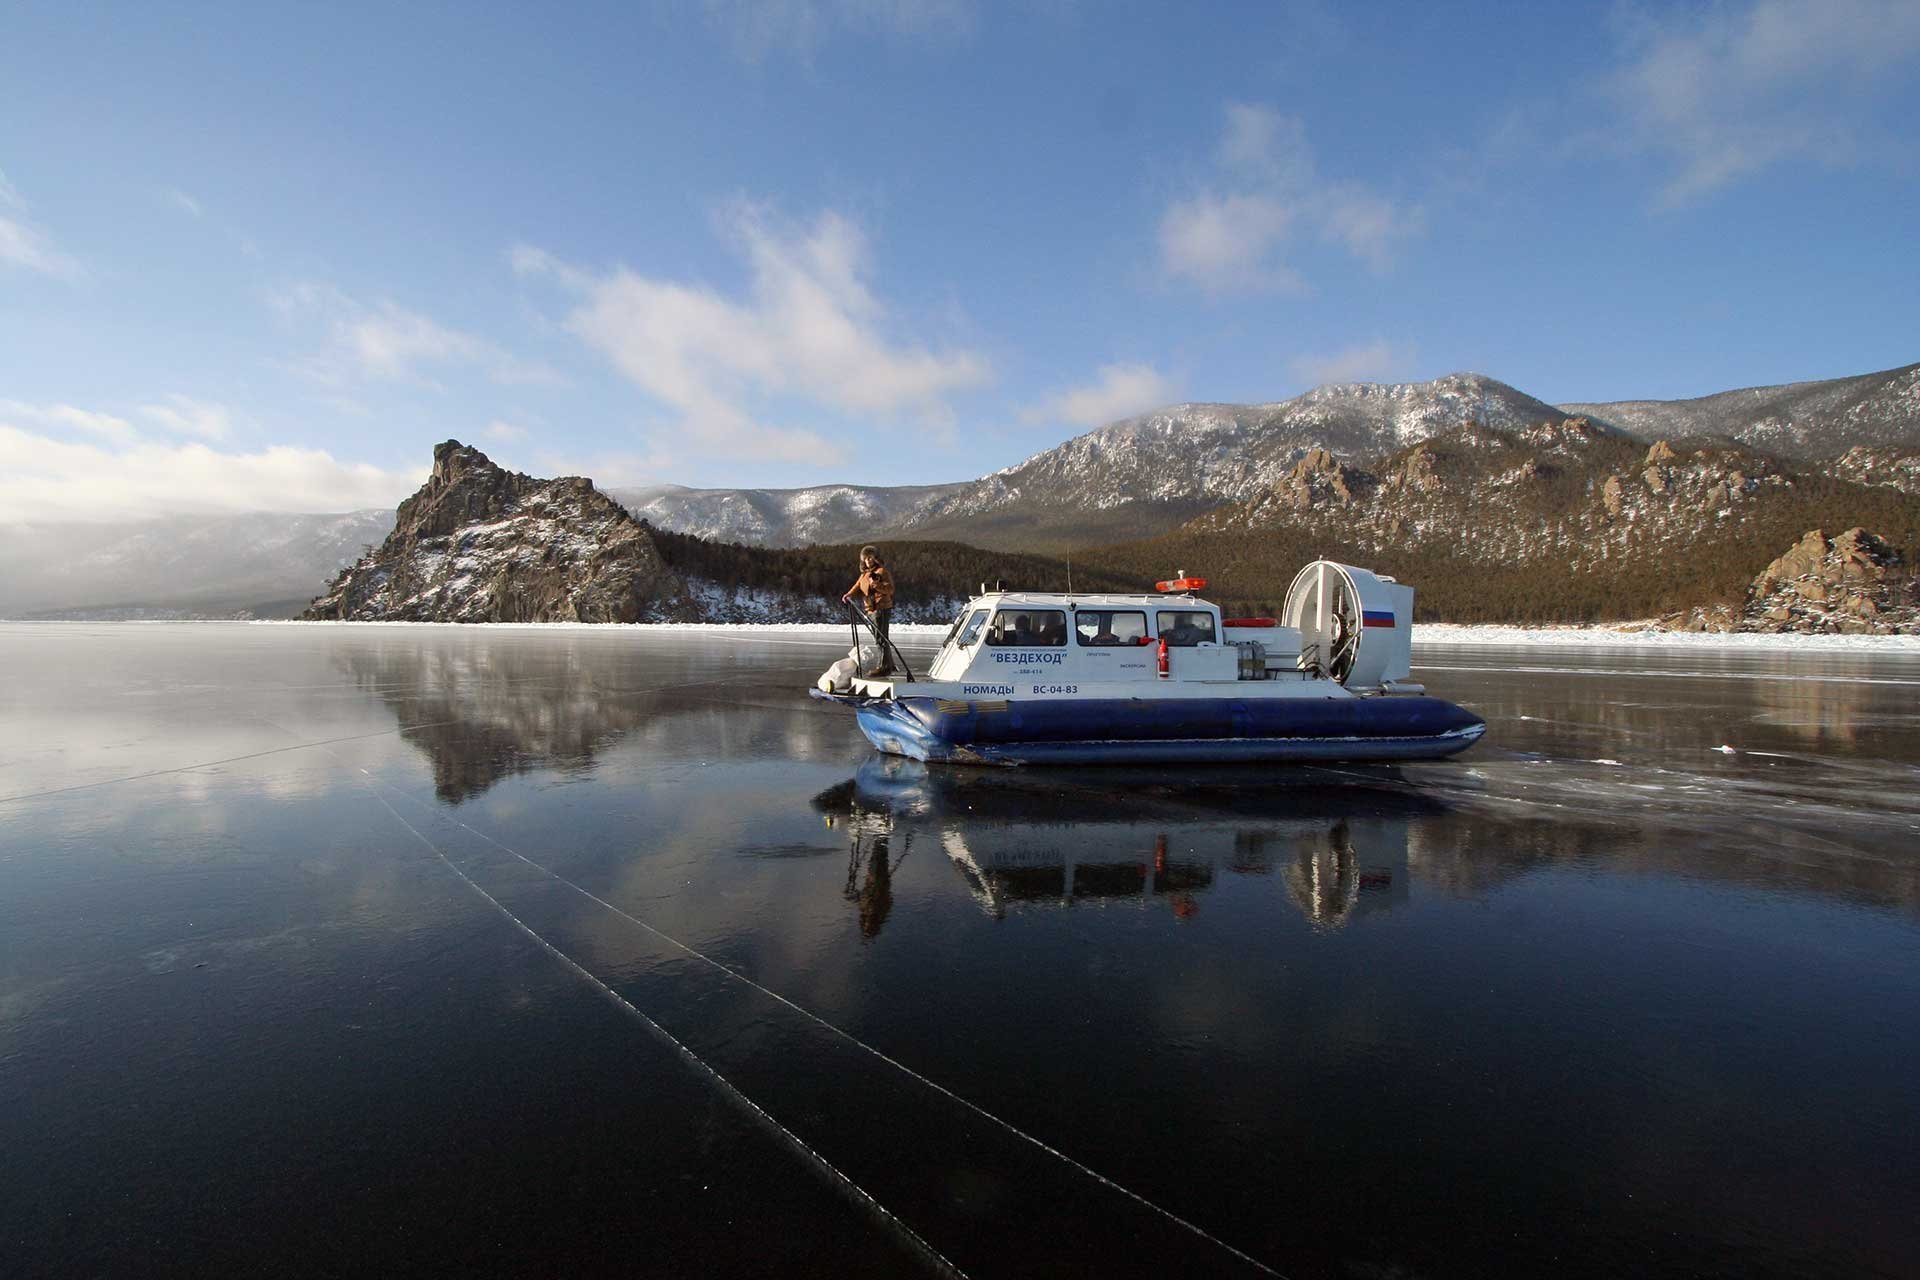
(104, 425)
(1370, 227)
(612, 468)
(1376, 361)
(183, 202)
(1267, 190)
(758, 28)
(21, 246)
(189, 417)
(530, 261)
(1120, 391)
(809, 328)
(42, 478)
(390, 342)
(1262, 145)
(387, 342)
(1728, 91)
(1225, 243)
(24, 246)
(498, 430)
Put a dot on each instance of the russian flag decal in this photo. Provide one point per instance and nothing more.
(1376, 618)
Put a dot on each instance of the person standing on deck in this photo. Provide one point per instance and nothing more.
(875, 585)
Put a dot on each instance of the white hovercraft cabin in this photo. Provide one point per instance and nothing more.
(1033, 677)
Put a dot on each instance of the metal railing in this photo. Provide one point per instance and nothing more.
(890, 654)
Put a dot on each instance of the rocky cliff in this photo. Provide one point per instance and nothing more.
(1562, 520)
(1565, 489)
(478, 543)
(1854, 584)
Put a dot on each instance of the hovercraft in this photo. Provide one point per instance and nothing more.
(1027, 677)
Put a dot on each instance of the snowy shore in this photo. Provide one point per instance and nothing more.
(1425, 634)
(1618, 636)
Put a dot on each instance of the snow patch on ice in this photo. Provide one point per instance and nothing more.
(1450, 633)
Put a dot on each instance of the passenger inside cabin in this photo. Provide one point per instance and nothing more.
(1029, 629)
(1186, 628)
(1103, 627)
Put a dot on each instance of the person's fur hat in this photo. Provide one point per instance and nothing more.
(871, 552)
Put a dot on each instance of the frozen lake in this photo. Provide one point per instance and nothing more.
(362, 950)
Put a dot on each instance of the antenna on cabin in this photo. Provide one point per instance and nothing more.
(1069, 575)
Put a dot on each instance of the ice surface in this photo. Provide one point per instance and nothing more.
(253, 1018)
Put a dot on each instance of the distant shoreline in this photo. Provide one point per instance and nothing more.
(1618, 634)
(1628, 635)
(1424, 634)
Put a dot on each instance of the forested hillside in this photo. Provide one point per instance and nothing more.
(1251, 569)
(923, 571)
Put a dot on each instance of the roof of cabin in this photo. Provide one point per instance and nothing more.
(1061, 600)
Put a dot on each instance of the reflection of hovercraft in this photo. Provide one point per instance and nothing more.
(905, 791)
(1158, 839)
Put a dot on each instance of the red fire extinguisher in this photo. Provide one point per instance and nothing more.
(1163, 658)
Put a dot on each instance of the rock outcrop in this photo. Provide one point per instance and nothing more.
(1850, 585)
(1853, 583)
(1891, 468)
(478, 543)
(1560, 489)
(1318, 480)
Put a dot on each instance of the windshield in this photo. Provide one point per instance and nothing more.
(971, 632)
(1029, 628)
(953, 630)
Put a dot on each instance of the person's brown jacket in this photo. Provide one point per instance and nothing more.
(876, 584)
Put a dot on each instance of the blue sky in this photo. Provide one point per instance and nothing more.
(267, 255)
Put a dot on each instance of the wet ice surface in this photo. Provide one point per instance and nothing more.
(343, 949)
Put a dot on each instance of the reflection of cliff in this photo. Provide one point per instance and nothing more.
(483, 713)
(1110, 839)
(1754, 849)
(1698, 701)
(1836, 711)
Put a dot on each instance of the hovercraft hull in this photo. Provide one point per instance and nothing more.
(1187, 731)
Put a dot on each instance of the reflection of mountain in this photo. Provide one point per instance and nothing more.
(1835, 712)
(1733, 841)
(1120, 838)
(481, 713)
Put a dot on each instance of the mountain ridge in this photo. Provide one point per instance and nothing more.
(1135, 479)
(1797, 420)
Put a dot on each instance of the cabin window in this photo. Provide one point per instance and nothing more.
(1186, 628)
(1029, 628)
(1110, 626)
(971, 631)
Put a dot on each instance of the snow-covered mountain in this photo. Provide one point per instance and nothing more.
(1132, 478)
(781, 517)
(1205, 454)
(1795, 420)
(1127, 481)
(1145, 475)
